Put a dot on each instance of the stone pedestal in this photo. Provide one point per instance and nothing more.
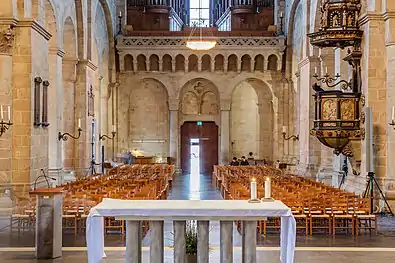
(49, 207)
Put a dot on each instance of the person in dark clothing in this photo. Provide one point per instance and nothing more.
(234, 162)
(244, 161)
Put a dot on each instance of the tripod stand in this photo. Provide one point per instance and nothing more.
(369, 191)
(345, 172)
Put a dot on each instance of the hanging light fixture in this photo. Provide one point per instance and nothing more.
(198, 43)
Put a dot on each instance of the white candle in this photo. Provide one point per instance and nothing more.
(113, 128)
(326, 70)
(315, 70)
(79, 123)
(2, 113)
(284, 129)
(281, 14)
(268, 187)
(120, 13)
(9, 113)
(253, 189)
(393, 114)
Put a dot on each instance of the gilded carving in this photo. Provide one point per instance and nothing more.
(347, 110)
(329, 110)
(7, 40)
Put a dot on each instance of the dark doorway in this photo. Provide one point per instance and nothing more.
(207, 135)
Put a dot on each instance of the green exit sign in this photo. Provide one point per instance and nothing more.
(199, 123)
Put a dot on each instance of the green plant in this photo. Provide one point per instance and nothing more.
(191, 238)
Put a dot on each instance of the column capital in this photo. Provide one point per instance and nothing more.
(225, 104)
(174, 104)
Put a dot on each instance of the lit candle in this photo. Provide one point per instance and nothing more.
(284, 129)
(281, 14)
(268, 188)
(113, 128)
(79, 123)
(9, 113)
(120, 13)
(253, 189)
(326, 70)
(2, 113)
(393, 114)
(315, 70)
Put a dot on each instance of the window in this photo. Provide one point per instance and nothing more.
(199, 13)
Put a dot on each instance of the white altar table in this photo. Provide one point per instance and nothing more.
(156, 211)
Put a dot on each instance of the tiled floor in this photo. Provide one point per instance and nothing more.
(320, 249)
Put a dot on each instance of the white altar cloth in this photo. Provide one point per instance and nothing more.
(229, 210)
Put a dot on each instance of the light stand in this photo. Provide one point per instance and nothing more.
(369, 191)
(102, 138)
(281, 24)
(92, 169)
(120, 22)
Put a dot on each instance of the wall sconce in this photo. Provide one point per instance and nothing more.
(392, 123)
(104, 136)
(64, 136)
(294, 137)
(5, 125)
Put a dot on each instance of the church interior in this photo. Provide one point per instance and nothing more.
(197, 131)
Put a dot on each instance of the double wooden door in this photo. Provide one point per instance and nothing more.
(207, 133)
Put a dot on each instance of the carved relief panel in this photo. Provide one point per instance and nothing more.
(199, 98)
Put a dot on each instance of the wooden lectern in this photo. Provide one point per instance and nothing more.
(49, 206)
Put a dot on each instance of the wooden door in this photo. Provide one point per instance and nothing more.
(207, 134)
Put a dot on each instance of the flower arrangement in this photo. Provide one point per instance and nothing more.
(191, 237)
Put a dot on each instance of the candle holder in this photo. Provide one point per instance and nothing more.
(328, 80)
(392, 123)
(4, 126)
(267, 200)
(64, 136)
(104, 136)
(294, 137)
(254, 201)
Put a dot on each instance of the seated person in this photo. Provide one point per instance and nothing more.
(234, 162)
(244, 161)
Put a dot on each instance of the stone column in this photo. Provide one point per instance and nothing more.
(6, 98)
(309, 146)
(156, 247)
(249, 242)
(133, 241)
(147, 64)
(225, 132)
(179, 241)
(186, 66)
(226, 236)
(173, 65)
(85, 73)
(135, 65)
(225, 64)
(174, 129)
(203, 241)
(389, 181)
(212, 65)
(160, 65)
(252, 64)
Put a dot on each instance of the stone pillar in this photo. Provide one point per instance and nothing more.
(309, 146)
(179, 241)
(68, 111)
(186, 66)
(147, 64)
(225, 132)
(85, 72)
(225, 64)
(226, 236)
(6, 98)
(203, 241)
(135, 65)
(160, 65)
(174, 129)
(173, 65)
(212, 65)
(199, 64)
(389, 182)
(55, 104)
(156, 247)
(238, 65)
(249, 242)
(252, 64)
(133, 241)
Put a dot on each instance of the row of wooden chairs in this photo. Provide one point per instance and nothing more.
(317, 208)
(124, 182)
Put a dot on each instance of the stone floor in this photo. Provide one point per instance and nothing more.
(365, 248)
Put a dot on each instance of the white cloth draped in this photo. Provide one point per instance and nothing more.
(229, 210)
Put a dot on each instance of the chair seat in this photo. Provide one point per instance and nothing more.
(343, 216)
(320, 216)
(366, 216)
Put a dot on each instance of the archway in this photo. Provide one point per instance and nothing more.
(69, 63)
(54, 92)
(199, 113)
(252, 120)
(147, 101)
